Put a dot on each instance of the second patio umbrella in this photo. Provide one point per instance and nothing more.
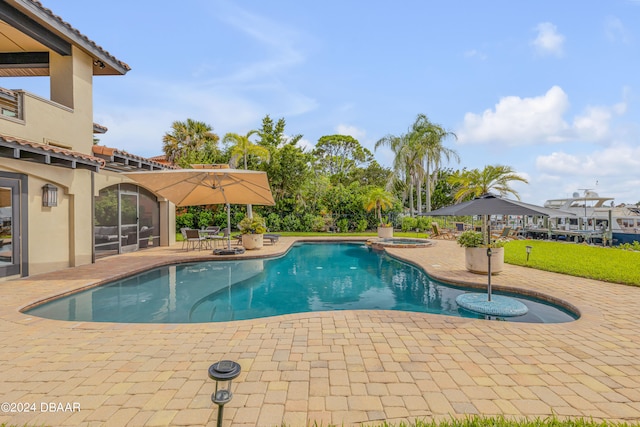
(490, 204)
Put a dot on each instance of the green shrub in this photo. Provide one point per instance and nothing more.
(362, 225)
(291, 222)
(343, 225)
(423, 223)
(273, 222)
(306, 222)
(220, 218)
(635, 246)
(408, 223)
(205, 218)
(185, 220)
(319, 223)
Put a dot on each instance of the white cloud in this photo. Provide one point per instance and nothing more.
(305, 144)
(353, 131)
(616, 161)
(615, 30)
(548, 41)
(611, 172)
(594, 124)
(519, 121)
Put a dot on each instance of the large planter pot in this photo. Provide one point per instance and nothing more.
(385, 232)
(252, 241)
(476, 260)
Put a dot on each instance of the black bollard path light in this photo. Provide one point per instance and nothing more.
(223, 372)
(528, 248)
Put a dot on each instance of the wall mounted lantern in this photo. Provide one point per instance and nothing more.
(49, 195)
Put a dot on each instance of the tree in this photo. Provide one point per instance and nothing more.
(289, 165)
(242, 147)
(473, 183)
(427, 140)
(273, 136)
(377, 198)
(372, 175)
(339, 155)
(443, 191)
(405, 164)
(189, 141)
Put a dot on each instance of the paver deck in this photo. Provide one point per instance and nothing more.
(343, 368)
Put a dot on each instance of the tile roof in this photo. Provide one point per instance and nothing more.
(44, 149)
(122, 160)
(78, 34)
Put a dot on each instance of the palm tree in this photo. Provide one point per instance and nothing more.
(475, 182)
(378, 199)
(242, 147)
(187, 138)
(405, 167)
(427, 139)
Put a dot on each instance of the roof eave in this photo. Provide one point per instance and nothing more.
(105, 63)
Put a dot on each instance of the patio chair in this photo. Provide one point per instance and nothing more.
(195, 239)
(439, 233)
(272, 238)
(506, 231)
(184, 236)
(212, 234)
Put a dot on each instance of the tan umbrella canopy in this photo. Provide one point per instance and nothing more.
(194, 187)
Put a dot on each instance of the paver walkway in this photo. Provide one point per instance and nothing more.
(343, 368)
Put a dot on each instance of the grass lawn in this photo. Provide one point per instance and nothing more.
(593, 262)
(482, 421)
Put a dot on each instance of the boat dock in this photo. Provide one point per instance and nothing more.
(577, 236)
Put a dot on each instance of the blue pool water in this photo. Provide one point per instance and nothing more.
(310, 277)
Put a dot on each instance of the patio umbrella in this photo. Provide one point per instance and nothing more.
(194, 187)
(490, 204)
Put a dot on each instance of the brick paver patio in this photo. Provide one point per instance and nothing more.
(344, 368)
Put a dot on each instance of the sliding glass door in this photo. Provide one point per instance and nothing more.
(10, 233)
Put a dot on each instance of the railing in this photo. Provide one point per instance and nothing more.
(10, 104)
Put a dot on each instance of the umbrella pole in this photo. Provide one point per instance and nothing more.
(488, 224)
(229, 226)
(489, 274)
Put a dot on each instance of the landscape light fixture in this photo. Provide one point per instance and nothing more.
(223, 373)
(49, 195)
(528, 251)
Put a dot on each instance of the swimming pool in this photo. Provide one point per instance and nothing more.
(310, 277)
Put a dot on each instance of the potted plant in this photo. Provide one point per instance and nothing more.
(252, 229)
(475, 253)
(385, 230)
(378, 199)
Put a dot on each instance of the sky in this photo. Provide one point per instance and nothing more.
(550, 88)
